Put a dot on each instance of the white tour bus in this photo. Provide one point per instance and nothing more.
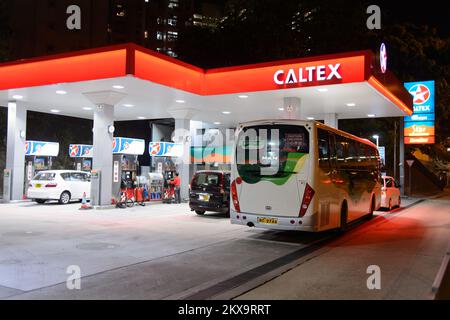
(302, 175)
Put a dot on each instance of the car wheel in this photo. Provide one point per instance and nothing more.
(390, 205)
(200, 213)
(344, 215)
(40, 201)
(64, 198)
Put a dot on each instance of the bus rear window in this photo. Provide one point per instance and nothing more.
(271, 147)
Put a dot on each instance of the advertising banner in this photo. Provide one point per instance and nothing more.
(166, 149)
(129, 146)
(208, 155)
(420, 127)
(40, 148)
(81, 151)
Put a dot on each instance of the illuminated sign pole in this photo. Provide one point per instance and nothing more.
(419, 128)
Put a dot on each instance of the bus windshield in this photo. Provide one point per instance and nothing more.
(271, 150)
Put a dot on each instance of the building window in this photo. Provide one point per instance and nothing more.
(173, 4)
(172, 36)
(120, 10)
(171, 53)
(172, 21)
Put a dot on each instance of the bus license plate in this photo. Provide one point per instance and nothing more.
(204, 197)
(268, 220)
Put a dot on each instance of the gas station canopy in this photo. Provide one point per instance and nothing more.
(350, 85)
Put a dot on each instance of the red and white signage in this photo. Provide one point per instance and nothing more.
(383, 58)
(308, 74)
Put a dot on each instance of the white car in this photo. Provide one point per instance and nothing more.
(60, 185)
(390, 194)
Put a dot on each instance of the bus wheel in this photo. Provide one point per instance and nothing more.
(199, 212)
(344, 216)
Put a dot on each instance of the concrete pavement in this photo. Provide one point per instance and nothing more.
(138, 253)
(167, 252)
(408, 246)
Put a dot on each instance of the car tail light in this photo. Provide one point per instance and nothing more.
(234, 196)
(307, 198)
(51, 185)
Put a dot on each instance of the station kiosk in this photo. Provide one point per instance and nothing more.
(125, 163)
(38, 157)
(82, 157)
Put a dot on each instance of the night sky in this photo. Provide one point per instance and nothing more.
(433, 13)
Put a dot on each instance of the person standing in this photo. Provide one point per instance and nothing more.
(176, 182)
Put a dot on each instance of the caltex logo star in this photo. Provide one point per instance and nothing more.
(74, 151)
(421, 93)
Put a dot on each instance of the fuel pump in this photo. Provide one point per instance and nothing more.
(125, 163)
(82, 157)
(38, 157)
(164, 156)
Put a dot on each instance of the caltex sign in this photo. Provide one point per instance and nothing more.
(419, 128)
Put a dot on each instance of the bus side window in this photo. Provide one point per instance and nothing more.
(324, 149)
(340, 149)
(333, 158)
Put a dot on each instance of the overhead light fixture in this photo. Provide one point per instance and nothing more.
(55, 111)
(280, 109)
(128, 105)
(226, 112)
(217, 123)
(351, 104)
(180, 101)
(243, 96)
(322, 90)
(61, 92)
(87, 108)
(17, 97)
(371, 115)
(119, 87)
(141, 118)
(310, 118)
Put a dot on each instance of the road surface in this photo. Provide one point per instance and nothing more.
(166, 252)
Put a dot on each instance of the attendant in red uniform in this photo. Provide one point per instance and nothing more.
(176, 182)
